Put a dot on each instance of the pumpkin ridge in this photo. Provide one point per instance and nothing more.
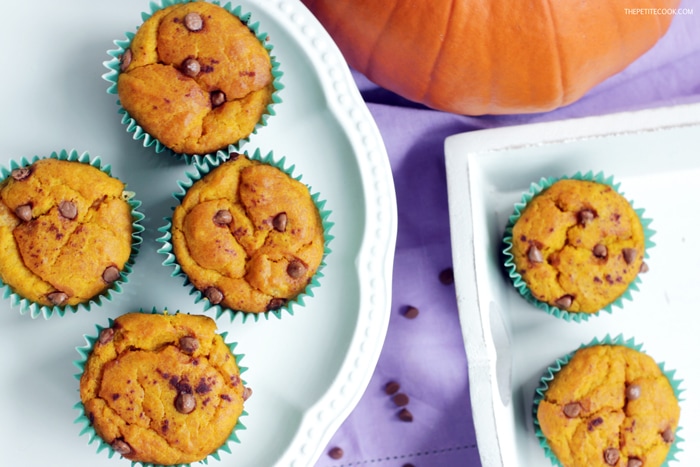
(563, 85)
(425, 93)
(369, 68)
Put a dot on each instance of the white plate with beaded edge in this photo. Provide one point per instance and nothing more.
(307, 371)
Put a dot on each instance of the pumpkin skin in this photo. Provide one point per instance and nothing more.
(477, 57)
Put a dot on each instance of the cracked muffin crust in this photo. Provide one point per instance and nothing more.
(248, 236)
(196, 78)
(66, 231)
(162, 389)
(610, 405)
(578, 245)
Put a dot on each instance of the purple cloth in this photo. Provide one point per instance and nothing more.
(426, 355)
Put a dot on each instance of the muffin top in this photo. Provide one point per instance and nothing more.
(609, 406)
(65, 230)
(196, 78)
(161, 388)
(248, 236)
(578, 245)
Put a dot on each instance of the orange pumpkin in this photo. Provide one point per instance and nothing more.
(478, 57)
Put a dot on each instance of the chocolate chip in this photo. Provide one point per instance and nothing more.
(217, 98)
(21, 173)
(600, 251)
(296, 269)
(633, 392)
(447, 276)
(223, 217)
(630, 254)
(335, 453)
(125, 60)
(191, 67)
(392, 387)
(564, 301)
(634, 462)
(400, 399)
(585, 216)
(279, 222)
(106, 336)
(121, 447)
(611, 456)
(68, 209)
(24, 212)
(410, 312)
(185, 403)
(214, 295)
(189, 344)
(572, 409)
(668, 435)
(534, 254)
(193, 21)
(594, 423)
(644, 267)
(405, 415)
(275, 304)
(110, 274)
(247, 392)
(57, 298)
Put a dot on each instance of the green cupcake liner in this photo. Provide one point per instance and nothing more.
(560, 363)
(34, 309)
(171, 260)
(132, 126)
(517, 279)
(93, 437)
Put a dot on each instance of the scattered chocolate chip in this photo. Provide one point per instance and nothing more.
(410, 312)
(296, 269)
(214, 295)
(611, 456)
(633, 392)
(223, 217)
(21, 173)
(405, 415)
(121, 447)
(535, 255)
(279, 222)
(57, 298)
(193, 21)
(217, 98)
(668, 435)
(594, 423)
(634, 462)
(247, 392)
(24, 212)
(68, 209)
(400, 399)
(572, 409)
(106, 336)
(630, 254)
(644, 267)
(189, 344)
(185, 403)
(600, 251)
(408, 465)
(125, 60)
(110, 274)
(275, 304)
(335, 453)
(447, 276)
(392, 387)
(564, 301)
(585, 216)
(191, 67)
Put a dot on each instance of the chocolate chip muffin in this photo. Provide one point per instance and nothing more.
(65, 230)
(610, 405)
(196, 78)
(162, 389)
(578, 245)
(248, 236)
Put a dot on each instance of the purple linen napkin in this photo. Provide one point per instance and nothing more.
(426, 355)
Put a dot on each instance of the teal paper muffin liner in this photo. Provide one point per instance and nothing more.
(93, 437)
(139, 133)
(171, 260)
(560, 363)
(517, 279)
(34, 309)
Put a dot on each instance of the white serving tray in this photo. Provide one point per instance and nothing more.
(655, 155)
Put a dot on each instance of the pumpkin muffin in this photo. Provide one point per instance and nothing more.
(578, 245)
(162, 389)
(65, 230)
(248, 236)
(196, 78)
(610, 405)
